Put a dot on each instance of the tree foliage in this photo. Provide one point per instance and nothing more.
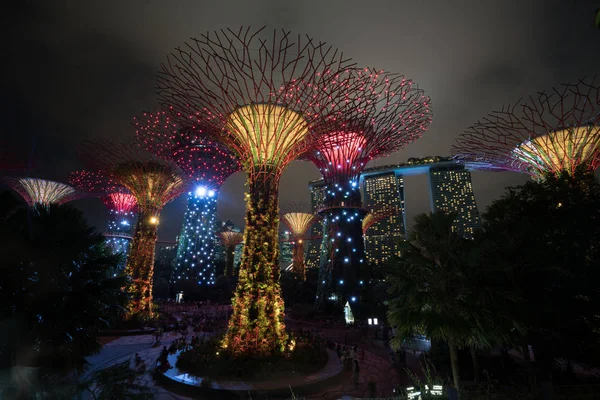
(55, 291)
(547, 236)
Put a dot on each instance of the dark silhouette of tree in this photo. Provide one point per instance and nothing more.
(547, 236)
(55, 288)
(440, 289)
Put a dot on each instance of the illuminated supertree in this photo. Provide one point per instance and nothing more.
(552, 132)
(399, 114)
(230, 241)
(153, 183)
(256, 94)
(41, 192)
(298, 223)
(119, 201)
(207, 164)
(374, 217)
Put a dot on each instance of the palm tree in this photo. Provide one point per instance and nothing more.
(437, 291)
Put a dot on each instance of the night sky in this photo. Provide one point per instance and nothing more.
(79, 69)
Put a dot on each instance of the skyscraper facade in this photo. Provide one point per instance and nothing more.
(452, 191)
(285, 249)
(317, 202)
(384, 193)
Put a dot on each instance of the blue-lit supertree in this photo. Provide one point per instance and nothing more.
(119, 201)
(207, 164)
(397, 112)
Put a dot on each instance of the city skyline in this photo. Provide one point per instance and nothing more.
(102, 67)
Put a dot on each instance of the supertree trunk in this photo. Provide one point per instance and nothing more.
(195, 249)
(140, 264)
(229, 258)
(256, 327)
(298, 266)
(343, 250)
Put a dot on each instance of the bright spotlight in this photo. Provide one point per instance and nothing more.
(201, 191)
(211, 193)
(153, 220)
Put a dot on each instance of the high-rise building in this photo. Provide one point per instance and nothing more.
(452, 191)
(317, 201)
(285, 249)
(384, 193)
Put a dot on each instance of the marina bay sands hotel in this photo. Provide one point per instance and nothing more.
(450, 189)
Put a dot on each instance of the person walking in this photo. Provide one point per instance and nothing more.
(355, 372)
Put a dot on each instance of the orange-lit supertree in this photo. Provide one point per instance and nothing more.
(549, 133)
(298, 222)
(207, 164)
(255, 91)
(398, 114)
(373, 217)
(42, 192)
(154, 183)
(230, 241)
(119, 201)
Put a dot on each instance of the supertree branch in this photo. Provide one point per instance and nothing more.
(552, 132)
(395, 113)
(41, 192)
(230, 241)
(201, 159)
(117, 198)
(259, 95)
(207, 164)
(298, 223)
(153, 183)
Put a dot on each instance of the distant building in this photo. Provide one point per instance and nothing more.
(317, 201)
(382, 187)
(384, 192)
(285, 249)
(452, 191)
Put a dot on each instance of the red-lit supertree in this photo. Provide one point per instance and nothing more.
(207, 164)
(42, 192)
(230, 240)
(154, 183)
(262, 96)
(119, 201)
(298, 221)
(398, 114)
(549, 133)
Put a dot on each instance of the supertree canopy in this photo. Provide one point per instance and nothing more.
(41, 192)
(230, 241)
(119, 201)
(552, 132)
(207, 164)
(153, 183)
(398, 114)
(298, 223)
(262, 97)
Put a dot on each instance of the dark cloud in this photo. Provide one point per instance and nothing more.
(74, 69)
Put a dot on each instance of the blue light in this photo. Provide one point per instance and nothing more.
(211, 193)
(341, 282)
(201, 191)
(124, 222)
(353, 298)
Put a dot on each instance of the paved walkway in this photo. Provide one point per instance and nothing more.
(375, 366)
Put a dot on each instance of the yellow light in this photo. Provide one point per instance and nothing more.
(298, 222)
(560, 150)
(268, 131)
(153, 220)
